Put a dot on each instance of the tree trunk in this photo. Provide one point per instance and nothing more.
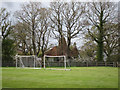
(108, 57)
(33, 42)
(100, 39)
(69, 43)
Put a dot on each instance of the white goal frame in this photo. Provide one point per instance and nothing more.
(20, 59)
(65, 61)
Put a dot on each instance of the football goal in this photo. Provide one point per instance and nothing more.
(28, 61)
(56, 62)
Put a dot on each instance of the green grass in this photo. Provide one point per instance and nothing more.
(78, 77)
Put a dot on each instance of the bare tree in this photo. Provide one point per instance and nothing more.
(22, 36)
(29, 14)
(5, 23)
(43, 31)
(56, 18)
(66, 20)
(73, 13)
(34, 22)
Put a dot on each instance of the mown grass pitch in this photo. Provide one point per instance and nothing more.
(78, 77)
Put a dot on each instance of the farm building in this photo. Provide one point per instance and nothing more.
(62, 49)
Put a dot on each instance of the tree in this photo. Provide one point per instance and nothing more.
(5, 23)
(56, 18)
(66, 20)
(72, 14)
(33, 25)
(98, 15)
(88, 51)
(30, 15)
(118, 32)
(8, 49)
(8, 45)
(22, 36)
(111, 41)
(57, 21)
(43, 32)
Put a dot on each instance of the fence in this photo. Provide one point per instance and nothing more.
(71, 64)
(91, 64)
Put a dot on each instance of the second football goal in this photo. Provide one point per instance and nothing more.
(56, 62)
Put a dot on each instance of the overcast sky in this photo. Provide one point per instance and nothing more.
(14, 5)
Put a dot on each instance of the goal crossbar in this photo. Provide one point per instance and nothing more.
(54, 56)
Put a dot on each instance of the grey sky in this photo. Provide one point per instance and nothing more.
(14, 6)
(11, 6)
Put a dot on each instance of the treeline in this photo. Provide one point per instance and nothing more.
(35, 26)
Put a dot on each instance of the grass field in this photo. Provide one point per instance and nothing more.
(78, 77)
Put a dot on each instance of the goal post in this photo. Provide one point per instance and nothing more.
(62, 56)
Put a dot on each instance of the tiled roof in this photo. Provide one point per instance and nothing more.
(62, 49)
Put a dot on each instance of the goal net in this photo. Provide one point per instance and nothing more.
(28, 61)
(56, 62)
